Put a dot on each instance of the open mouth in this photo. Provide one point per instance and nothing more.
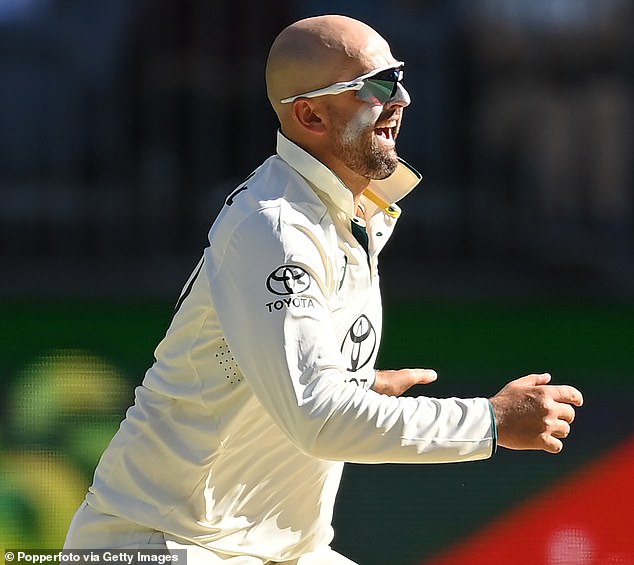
(385, 133)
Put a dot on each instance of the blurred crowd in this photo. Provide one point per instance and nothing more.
(124, 123)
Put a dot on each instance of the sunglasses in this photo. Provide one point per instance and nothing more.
(381, 85)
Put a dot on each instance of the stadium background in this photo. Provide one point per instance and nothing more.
(124, 123)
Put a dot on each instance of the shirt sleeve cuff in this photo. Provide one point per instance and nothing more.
(494, 430)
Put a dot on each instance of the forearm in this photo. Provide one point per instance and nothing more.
(368, 427)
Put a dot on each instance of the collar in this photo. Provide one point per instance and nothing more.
(384, 193)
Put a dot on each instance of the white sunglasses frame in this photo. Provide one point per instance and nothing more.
(339, 87)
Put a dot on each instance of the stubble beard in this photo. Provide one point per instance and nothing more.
(361, 153)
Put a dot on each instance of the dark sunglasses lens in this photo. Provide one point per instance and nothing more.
(383, 85)
(382, 90)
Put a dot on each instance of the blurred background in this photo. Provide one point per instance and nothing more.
(125, 123)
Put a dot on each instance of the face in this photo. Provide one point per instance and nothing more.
(365, 132)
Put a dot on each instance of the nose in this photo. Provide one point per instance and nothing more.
(401, 98)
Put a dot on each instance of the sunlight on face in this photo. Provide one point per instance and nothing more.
(359, 147)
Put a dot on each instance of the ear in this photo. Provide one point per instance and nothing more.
(309, 116)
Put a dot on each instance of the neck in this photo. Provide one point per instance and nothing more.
(354, 182)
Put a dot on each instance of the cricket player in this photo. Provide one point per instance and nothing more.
(265, 383)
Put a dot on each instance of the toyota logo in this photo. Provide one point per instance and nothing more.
(288, 279)
(359, 343)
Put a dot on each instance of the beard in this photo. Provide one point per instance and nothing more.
(359, 149)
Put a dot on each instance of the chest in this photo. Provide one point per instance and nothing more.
(355, 305)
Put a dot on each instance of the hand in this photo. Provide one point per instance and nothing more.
(534, 415)
(395, 383)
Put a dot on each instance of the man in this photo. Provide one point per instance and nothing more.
(265, 382)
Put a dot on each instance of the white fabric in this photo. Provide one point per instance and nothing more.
(262, 386)
(92, 530)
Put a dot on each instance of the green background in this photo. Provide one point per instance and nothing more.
(69, 368)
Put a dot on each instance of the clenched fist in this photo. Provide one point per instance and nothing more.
(531, 414)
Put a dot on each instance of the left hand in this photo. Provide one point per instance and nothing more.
(396, 382)
(532, 414)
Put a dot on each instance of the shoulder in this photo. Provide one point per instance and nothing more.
(273, 196)
(274, 212)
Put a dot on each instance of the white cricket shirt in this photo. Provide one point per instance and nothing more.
(261, 387)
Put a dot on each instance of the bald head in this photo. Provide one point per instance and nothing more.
(315, 52)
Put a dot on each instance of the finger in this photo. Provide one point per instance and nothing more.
(533, 380)
(566, 413)
(419, 376)
(567, 394)
(561, 430)
(426, 376)
(551, 444)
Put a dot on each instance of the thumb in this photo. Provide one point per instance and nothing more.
(533, 380)
(417, 376)
(426, 376)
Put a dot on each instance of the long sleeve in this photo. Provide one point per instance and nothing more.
(288, 346)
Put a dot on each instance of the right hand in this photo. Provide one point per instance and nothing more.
(531, 414)
(396, 382)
